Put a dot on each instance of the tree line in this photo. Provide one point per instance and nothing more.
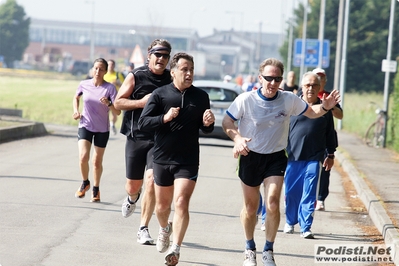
(367, 40)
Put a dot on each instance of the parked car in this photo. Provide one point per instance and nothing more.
(221, 95)
(79, 68)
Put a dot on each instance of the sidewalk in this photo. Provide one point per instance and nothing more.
(374, 173)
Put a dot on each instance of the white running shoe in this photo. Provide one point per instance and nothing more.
(172, 258)
(127, 207)
(249, 257)
(163, 241)
(307, 235)
(268, 258)
(288, 229)
(320, 206)
(143, 237)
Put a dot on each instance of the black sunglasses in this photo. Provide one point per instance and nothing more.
(270, 78)
(159, 55)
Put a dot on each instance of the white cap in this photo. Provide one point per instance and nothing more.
(319, 71)
(227, 77)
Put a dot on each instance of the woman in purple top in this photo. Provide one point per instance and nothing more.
(98, 97)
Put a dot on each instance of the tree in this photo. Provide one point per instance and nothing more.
(367, 40)
(14, 31)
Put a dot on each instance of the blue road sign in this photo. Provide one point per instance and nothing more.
(312, 50)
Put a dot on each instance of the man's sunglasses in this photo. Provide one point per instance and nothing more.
(165, 56)
(270, 78)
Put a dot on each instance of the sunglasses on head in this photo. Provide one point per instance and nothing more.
(270, 78)
(165, 56)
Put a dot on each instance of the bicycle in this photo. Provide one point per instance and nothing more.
(375, 133)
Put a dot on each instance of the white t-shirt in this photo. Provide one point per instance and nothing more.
(265, 120)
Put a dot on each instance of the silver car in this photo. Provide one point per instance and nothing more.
(221, 95)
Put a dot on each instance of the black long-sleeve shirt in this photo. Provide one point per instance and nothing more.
(176, 142)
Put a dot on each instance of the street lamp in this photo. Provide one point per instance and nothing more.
(386, 82)
(92, 30)
(242, 17)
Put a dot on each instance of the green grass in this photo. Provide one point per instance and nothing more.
(41, 99)
(359, 112)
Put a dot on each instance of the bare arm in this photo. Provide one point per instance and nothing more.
(337, 112)
(328, 103)
(240, 143)
(122, 99)
(75, 104)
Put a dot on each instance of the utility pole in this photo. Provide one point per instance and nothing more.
(321, 32)
(92, 31)
(304, 29)
(387, 73)
(338, 49)
(342, 82)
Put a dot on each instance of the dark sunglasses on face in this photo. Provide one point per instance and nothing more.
(165, 56)
(270, 78)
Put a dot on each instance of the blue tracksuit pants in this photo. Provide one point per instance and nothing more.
(301, 188)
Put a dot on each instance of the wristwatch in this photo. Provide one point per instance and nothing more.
(331, 156)
(110, 103)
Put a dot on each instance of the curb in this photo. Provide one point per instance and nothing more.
(27, 130)
(374, 206)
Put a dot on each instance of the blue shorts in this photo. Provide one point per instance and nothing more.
(165, 174)
(255, 167)
(100, 138)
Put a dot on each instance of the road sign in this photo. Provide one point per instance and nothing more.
(389, 66)
(312, 50)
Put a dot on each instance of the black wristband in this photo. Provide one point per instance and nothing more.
(322, 107)
(331, 156)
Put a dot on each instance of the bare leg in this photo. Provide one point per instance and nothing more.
(98, 164)
(163, 199)
(273, 185)
(84, 155)
(148, 200)
(183, 190)
(248, 212)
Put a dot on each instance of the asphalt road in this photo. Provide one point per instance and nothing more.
(42, 223)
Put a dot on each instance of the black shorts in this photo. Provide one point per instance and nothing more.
(138, 156)
(165, 174)
(100, 138)
(255, 167)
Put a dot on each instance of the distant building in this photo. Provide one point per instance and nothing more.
(55, 44)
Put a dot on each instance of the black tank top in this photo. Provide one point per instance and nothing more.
(145, 82)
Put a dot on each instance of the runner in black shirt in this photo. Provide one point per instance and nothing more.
(176, 112)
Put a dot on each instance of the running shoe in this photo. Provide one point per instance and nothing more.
(143, 237)
(249, 257)
(172, 258)
(163, 241)
(82, 190)
(127, 207)
(95, 197)
(307, 235)
(268, 258)
(288, 229)
(114, 130)
(320, 206)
